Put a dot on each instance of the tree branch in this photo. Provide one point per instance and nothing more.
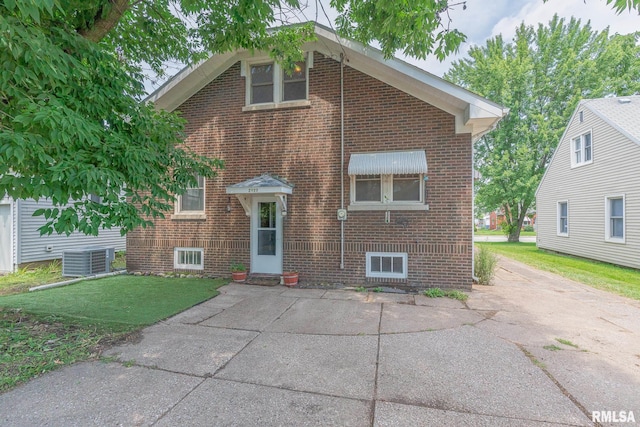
(103, 25)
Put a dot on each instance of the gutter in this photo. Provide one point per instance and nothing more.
(342, 158)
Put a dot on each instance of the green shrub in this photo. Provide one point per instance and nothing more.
(434, 293)
(528, 228)
(485, 265)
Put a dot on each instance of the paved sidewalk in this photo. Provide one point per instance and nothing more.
(259, 356)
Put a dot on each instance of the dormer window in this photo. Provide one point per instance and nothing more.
(581, 150)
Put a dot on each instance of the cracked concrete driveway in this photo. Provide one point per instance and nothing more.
(533, 350)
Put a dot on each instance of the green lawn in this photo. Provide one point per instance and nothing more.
(43, 330)
(486, 232)
(620, 280)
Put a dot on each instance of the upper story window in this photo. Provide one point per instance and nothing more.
(388, 181)
(271, 86)
(192, 201)
(581, 150)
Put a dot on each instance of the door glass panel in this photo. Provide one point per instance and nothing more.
(267, 215)
(266, 242)
(267, 228)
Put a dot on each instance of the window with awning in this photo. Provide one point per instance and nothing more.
(387, 179)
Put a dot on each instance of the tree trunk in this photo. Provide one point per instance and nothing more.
(514, 234)
(102, 26)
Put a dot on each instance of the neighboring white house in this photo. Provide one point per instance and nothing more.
(588, 201)
(21, 243)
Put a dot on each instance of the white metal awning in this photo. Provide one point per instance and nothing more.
(388, 163)
(264, 184)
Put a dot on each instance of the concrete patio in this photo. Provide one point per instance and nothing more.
(257, 356)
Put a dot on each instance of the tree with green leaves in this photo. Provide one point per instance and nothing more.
(540, 76)
(71, 81)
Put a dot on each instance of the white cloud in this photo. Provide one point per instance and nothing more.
(598, 12)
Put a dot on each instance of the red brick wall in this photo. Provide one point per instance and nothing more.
(303, 146)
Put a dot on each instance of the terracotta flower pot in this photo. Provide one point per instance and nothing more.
(290, 278)
(239, 276)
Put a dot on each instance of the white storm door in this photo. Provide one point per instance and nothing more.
(5, 238)
(266, 236)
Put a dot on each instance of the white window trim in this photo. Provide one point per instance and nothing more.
(386, 198)
(607, 219)
(558, 231)
(387, 275)
(178, 266)
(575, 164)
(180, 214)
(278, 85)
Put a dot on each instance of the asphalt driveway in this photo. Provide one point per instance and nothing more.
(533, 350)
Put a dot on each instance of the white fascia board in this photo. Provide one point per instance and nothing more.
(190, 80)
(414, 81)
(259, 190)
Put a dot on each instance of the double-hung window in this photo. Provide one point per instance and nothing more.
(269, 85)
(581, 150)
(192, 201)
(563, 218)
(388, 180)
(615, 219)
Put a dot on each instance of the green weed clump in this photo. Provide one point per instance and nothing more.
(485, 265)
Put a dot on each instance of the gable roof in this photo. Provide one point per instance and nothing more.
(621, 113)
(473, 113)
(616, 111)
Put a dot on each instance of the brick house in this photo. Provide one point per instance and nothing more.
(326, 170)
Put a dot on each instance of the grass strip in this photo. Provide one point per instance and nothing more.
(620, 280)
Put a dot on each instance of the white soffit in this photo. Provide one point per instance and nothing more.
(388, 163)
(473, 113)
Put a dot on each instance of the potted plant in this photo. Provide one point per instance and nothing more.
(238, 272)
(290, 278)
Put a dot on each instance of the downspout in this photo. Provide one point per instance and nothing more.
(342, 158)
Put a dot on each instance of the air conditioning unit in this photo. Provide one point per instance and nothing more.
(87, 261)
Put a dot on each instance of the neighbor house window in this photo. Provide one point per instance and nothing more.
(390, 265)
(563, 218)
(193, 198)
(614, 219)
(582, 150)
(269, 83)
(188, 258)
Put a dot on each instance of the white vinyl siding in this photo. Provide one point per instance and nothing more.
(32, 247)
(188, 258)
(614, 173)
(388, 265)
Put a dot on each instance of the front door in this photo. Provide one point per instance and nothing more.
(266, 236)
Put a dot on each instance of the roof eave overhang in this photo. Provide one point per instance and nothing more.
(473, 114)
